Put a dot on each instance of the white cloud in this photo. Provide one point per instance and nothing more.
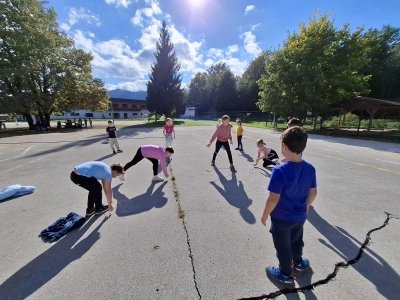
(255, 26)
(146, 14)
(75, 15)
(248, 9)
(114, 58)
(215, 53)
(117, 3)
(232, 49)
(134, 86)
(250, 44)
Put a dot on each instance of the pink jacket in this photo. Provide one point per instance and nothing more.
(222, 134)
(157, 152)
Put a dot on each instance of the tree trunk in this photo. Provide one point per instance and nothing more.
(359, 124)
(47, 119)
(315, 123)
(29, 120)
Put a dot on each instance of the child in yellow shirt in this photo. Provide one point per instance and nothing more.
(239, 134)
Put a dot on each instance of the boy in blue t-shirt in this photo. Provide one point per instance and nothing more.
(292, 189)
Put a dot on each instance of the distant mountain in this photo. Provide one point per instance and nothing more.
(124, 94)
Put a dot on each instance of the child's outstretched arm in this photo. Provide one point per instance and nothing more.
(312, 194)
(213, 138)
(272, 201)
(257, 159)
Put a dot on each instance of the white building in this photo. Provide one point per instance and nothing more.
(120, 109)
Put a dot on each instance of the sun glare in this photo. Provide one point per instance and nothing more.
(196, 3)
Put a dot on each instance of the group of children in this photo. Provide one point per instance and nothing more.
(292, 187)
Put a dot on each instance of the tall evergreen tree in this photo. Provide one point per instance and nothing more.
(164, 93)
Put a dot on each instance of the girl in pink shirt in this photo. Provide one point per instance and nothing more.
(223, 135)
(154, 154)
(169, 132)
(268, 155)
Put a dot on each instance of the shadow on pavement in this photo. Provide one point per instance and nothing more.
(246, 156)
(141, 203)
(264, 171)
(235, 195)
(47, 265)
(372, 266)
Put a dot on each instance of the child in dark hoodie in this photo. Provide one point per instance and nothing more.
(223, 134)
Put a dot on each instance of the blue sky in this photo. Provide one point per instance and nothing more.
(122, 34)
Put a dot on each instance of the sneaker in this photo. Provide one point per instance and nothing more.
(232, 167)
(120, 151)
(89, 211)
(302, 266)
(157, 179)
(114, 152)
(275, 274)
(213, 164)
(101, 210)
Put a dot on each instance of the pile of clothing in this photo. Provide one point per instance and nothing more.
(15, 190)
(60, 227)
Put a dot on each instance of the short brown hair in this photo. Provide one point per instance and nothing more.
(260, 141)
(225, 117)
(170, 150)
(118, 168)
(294, 122)
(295, 138)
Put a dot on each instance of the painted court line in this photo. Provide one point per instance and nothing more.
(356, 163)
(23, 153)
(330, 150)
(29, 162)
(392, 162)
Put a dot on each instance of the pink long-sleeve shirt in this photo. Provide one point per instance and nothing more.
(222, 134)
(157, 152)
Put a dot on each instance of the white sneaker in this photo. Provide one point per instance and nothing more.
(157, 179)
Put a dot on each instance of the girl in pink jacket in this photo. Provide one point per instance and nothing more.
(223, 135)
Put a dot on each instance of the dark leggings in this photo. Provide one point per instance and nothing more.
(240, 145)
(218, 146)
(92, 185)
(288, 242)
(269, 160)
(138, 157)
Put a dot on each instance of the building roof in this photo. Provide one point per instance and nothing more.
(365, 105)
(127, 100)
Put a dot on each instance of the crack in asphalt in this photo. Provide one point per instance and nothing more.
(338, 265)
(181, 215)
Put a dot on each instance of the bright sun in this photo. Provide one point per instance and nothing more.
(196, 3)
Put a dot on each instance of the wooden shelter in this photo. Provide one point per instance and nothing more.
(369, 108)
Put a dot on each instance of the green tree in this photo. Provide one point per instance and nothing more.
(40, 68)
(248, 88)
(222, 87)
(382, 47)
(164, 93)
(317, 66)
(198, 94)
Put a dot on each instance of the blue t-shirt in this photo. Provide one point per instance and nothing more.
(96, 169)
(293, 181)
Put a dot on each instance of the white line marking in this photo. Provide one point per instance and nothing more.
(356, 163)
(23, 153)
(29, 162)
(330, 150)
(392, 162)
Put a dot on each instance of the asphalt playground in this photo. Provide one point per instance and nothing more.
(198, 236)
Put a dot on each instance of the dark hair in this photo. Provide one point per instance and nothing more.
(295, 138)
(294, 122)
(118, 168)
(260, 141)
(170, 150)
